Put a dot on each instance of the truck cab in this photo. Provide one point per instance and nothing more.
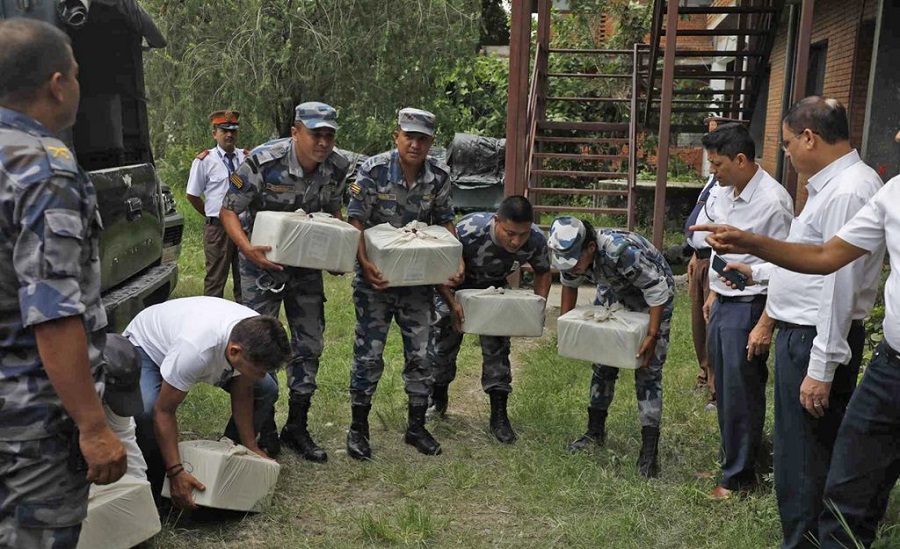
(141, 240)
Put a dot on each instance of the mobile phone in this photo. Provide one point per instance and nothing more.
(735, 277)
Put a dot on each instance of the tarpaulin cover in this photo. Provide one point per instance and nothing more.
(413, 255)
(502, 312)
(313, 241)
(610, 336)
(120, 515)
(476, 161)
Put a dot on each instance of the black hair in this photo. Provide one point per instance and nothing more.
(31, 52)
(263, 340)
(590, 233)
(825, 117)
(516, 208)
(730, 140)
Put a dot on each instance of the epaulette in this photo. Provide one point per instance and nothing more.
(203, 154)
(245, 151)
(62, 160)
(339, 160)
(438, 165)
(272, 150)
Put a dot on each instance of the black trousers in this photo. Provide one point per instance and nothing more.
(865, 463)
(803, 444)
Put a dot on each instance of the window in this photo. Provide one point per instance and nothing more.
(815, 78)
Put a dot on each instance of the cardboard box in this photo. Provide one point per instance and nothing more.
(602, 335)
(502, 312)
(414, 255)
(235, 478)
(120, 515)
(314, 241)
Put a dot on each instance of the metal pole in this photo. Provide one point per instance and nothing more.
(665, 123)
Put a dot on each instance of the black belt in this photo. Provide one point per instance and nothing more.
(893, 354)
(740, 298)
(213, 221)
(703, 253)
(781, 325)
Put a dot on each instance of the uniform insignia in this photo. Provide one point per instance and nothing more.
(355, 188)
(386, 196)
(279, 188)
(427, 197)
(515, 267)
(60, 152)
(202, 154)
(236, 180)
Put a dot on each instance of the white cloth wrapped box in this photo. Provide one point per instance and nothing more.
(313, 241)
(414, 255)
(120, 515)
(611, 336)
(502, 312)
(235, 478)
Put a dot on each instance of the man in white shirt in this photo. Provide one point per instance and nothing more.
(753, 201)
(209, 175)
(864, 463)
(819, 318)
(194, 340)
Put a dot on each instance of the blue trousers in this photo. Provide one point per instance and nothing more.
(740, 389)
(803, 444)
(265, 393)
(865, 463)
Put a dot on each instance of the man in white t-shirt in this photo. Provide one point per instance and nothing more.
(194, 340)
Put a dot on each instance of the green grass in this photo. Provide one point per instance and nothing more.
(480, 493)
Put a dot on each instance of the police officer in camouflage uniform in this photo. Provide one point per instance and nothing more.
(396, 187)
(51, 316)
(300, 172)
(629, 270)
(494, 246)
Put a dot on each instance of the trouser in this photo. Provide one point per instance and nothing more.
(265, 393)
(221, 257)
(303, 295)
(496, 373)
(865, 463)
(698, 289)
(42, 500)
(803, 444)
(740, 388)
(647, 381)
(411, 307)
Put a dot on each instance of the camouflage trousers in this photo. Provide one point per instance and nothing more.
(411, 307)
(303, 294)
(647, 381)
(42, 501)
(496, 374)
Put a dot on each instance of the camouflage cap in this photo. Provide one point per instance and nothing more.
(225, 120)
(566, 238)
(123, 376)
(416, 121)
(314, 115)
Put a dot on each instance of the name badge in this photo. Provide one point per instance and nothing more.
(386, 196)
(279, 188)
(427, 197)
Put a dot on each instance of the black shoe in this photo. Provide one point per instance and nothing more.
(500, 427)
(439, 401)
(295, 435)
(416, 433)
(596, 432)
(269, 443)
(648, 461)
(358, 434)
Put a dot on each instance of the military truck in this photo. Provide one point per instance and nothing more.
(141, 241)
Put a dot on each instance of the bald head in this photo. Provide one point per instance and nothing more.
(31, 52)
(825, 117)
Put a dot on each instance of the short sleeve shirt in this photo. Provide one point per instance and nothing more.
(380, 193)
(209, 177)
(487, 263)
(49, 269)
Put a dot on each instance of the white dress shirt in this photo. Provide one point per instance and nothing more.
(698, 239)
(209, 178)
(830, 302)
(878, 224)
(763, 207)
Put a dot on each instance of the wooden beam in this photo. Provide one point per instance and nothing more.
(516, 132)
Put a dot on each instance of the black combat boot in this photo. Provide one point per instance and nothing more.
(596, 431)
(500, 427)
(439, 401)
(295, 435)
(416, 433)
(268, 438)
(358, 435)
(648, 464)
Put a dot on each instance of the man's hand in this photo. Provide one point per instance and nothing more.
(460, 275)
(742, 268)
(458, 316)
(707, 306)
(257, 254)
(725, 239)
(814, 396)
(260, 452)
(760, 340)
(372, 275)
(647, 350)
(182, 487)
(104, 454)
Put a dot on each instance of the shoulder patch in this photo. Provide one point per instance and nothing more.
(62, 160)
(236, 180)
(203, 154)
(245, 151)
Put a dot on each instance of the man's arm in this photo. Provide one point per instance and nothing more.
(62, 345)
(197, 203)
(648, 346)
(196, 184)
(760, 339)
(460, 275)
(801, 258)
(568, 299)
(257, 254)
(542, 284)
(165, 424)
(369, 271)
(242, 411)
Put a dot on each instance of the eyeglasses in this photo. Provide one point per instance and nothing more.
(785, 143)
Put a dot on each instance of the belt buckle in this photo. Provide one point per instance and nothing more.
(266, 282)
